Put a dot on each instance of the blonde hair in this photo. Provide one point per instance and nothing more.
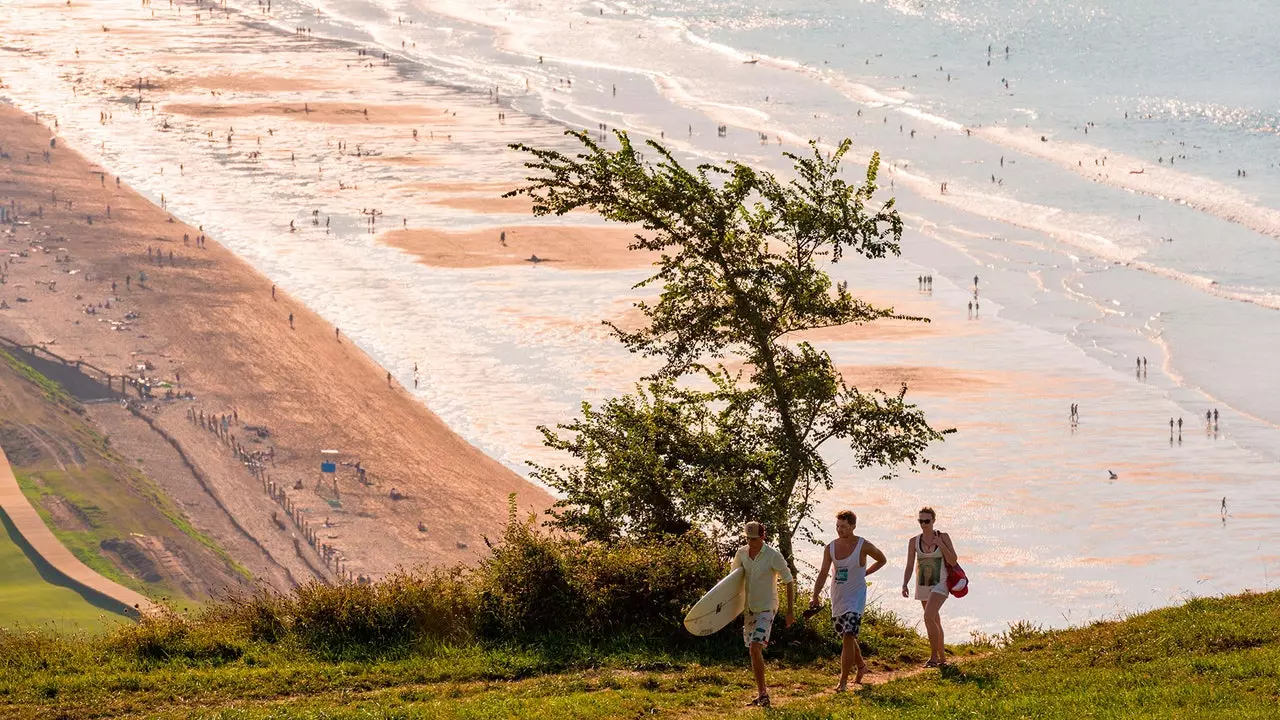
(848, 516)
(926, 509)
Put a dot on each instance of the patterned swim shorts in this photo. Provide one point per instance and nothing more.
(849, 623)
(756, 627)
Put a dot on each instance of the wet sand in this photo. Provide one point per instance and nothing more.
(208, 316)
(567, 247)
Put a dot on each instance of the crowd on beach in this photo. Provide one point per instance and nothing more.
(931, 557)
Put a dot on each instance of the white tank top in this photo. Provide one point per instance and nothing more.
(931, 569)
(848, 581)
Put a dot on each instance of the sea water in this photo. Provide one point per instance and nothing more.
(1077, 277)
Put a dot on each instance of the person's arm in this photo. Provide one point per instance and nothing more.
(874, 553)
(736, 564)
(911, 563)
(948, 550)
(822, 578)
(784, 572)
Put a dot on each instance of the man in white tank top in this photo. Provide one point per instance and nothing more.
(845, 559)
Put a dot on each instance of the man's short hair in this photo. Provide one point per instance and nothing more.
(755, 529)
(848, 516)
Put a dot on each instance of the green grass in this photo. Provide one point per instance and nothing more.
(1210, 658)
(28, 600)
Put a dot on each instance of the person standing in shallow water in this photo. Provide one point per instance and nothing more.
(929, 554)
(845, 559)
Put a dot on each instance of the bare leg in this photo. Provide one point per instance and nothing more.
(757, 666)
(858, 662)
(850, 657)
(933, 621)
(847, 662)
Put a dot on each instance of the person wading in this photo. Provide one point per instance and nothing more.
(762, 566)
(929, 553)
(846, 560)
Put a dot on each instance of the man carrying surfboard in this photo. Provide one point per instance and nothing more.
(847, 554)
(762, 566)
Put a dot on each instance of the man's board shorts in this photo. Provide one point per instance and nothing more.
(849, 623)
(756, 627)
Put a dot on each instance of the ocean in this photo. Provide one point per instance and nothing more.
(1112, 180)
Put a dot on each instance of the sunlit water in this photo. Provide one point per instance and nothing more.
(1073, 284)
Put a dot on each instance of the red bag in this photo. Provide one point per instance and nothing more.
(957, 581)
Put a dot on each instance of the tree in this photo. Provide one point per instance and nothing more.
(740, 278)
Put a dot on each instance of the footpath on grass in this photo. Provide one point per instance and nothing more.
(36, 535)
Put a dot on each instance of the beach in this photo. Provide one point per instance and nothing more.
(203, 322)
(358, 167)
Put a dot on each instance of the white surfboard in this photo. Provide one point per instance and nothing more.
(719, 606)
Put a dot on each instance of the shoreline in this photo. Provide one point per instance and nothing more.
(207, 323)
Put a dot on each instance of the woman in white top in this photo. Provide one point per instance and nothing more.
(848, 555)
(929, 554)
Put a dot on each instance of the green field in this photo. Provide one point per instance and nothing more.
(27, 599)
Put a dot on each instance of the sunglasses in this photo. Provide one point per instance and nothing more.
(923, 521)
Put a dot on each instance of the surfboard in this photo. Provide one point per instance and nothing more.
(719, 606)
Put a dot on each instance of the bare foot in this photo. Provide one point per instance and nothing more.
(862, 670)
(841, 688)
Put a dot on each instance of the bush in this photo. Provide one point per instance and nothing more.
(166, 636)
(574, 598)
(535, 584)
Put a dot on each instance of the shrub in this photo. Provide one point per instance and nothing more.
(534, 584)
(167, 635)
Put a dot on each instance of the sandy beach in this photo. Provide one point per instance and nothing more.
(208, 324)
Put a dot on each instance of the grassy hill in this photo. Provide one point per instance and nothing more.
(1208, 658)
(97, 503)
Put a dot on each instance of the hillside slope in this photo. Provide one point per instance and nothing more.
(100, 505)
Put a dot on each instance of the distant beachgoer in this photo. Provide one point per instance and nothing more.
(273, 292)
(336, 335)
(388, 379)
(1170, 427)
(290, 321)
(930, 554)
(1179, 426)
(1215, 417)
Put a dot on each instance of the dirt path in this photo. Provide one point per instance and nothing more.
(34, 531)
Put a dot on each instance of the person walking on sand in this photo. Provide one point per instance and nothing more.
(290, 321)
(930, 553)
(762, 567)
(845, 559)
